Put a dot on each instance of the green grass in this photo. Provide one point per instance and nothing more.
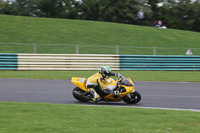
(61, 118)
(174, 76)
(29, 30)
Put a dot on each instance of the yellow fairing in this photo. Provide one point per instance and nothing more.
(129, 89)
(110, 83)
(79, 82)
(132, 84)
(111, 98)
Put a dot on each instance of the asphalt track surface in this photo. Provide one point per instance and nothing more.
(173, 95)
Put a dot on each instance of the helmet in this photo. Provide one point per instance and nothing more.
(105, 71)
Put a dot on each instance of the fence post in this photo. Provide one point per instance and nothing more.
(77, 49)
(154, 50)
(117, 49)
(34, 48)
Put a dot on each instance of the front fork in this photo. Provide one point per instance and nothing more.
(129, 95)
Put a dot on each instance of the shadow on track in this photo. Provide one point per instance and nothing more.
(102, 103)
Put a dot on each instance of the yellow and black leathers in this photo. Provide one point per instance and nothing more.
(97, 82)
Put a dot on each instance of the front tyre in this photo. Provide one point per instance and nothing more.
(79, 95)
(132, 98)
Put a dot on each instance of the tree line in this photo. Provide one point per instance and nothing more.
(182, 14)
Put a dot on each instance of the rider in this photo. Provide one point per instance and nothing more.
(97, 82)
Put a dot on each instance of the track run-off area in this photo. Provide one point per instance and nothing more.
(163, 95)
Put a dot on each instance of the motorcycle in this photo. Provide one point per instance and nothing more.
(124, 87)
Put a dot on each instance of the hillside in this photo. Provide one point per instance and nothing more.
(18, 29)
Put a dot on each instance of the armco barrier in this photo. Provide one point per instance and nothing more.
(66, 61)
(159, 62)
(8, 61)
(95, 61)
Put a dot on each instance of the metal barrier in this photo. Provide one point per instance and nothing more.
(95, 61)
(66, 61)
(150, 62)
(8, 61)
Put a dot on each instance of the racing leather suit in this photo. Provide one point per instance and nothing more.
(97, 82)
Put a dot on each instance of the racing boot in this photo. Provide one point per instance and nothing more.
(96, 98)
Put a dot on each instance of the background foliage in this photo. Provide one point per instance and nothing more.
(182, 14)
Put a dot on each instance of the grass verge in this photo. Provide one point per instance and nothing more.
(173, 76)
(29, 30)
(60, 118)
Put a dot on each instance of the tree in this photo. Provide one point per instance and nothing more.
(120, 11)
(154, 8)
(180, 15)
(168, 14)
(90, 10)
(196, 16)
(184, 14)
(59, 8)
(6, 7)
(25, 7)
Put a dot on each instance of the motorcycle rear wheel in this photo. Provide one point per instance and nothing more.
(134, 98)
(78, 94)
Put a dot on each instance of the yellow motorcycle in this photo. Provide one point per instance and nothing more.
(124, 87)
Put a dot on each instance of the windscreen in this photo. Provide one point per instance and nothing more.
(126, 82)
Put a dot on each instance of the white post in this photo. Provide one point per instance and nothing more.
(154, 50)
(77, 49)
(117, 49)
(34, 48)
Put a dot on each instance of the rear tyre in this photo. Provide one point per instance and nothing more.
(133, 98)
(79, 95)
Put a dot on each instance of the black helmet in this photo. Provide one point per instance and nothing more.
(105, 71)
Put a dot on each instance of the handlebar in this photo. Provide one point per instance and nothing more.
(120, 80)
(123, 77)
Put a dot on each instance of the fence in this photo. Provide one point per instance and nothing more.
(95, 61)
(91, 49)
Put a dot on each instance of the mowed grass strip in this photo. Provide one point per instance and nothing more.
(173, 76)
(29, 30)
(61, 118)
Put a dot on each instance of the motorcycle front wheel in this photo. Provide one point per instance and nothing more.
(132, 98)
(79, 95)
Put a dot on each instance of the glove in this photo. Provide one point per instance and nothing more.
(119, 75)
